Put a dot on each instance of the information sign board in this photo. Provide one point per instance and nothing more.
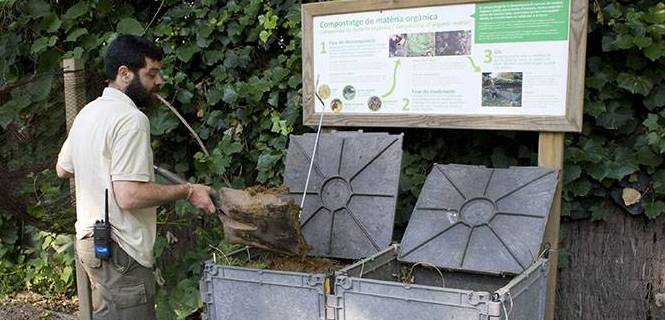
(515, 65)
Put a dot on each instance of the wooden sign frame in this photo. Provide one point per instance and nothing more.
(551, 128)
(571, 122)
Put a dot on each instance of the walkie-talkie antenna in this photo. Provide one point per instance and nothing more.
(106, 205)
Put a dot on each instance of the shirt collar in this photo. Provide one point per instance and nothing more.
(113, 93)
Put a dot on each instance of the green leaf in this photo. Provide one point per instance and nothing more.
(42, 43)
(643, 42)
(656, 98)
(186, 53)
(634, 83)
(203, 31)
(41, 88)
(598, 213)
(186, 298)
(652, 122)
(656, 14)
(213, 95)
(230, 95)
(130, 26)
(76, 11)
(571, 173)
(66, 274)
(594, 108)
(75, 34)
(597, 80)
(658, 180)
(655, 51)
(624, 41)
(617, 115)
(264, 36)
(294, 81)
(51, 23)
(654, 209)
(579, 188)
(266, 165)
(162, 122)
(184, 96)
(619, 170)
(8, 113)
(213, 56)
(656, 30)
(77, 53)
(233, 148)
(49, 61)
(38, 8)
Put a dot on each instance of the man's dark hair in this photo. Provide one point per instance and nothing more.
(129, 51)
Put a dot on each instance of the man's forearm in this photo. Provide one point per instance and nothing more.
(135, 195)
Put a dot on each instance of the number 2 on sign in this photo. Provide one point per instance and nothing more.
(488, 56)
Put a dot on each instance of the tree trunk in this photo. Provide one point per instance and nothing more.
(615, 269)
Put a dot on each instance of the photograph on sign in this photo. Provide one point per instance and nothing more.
(505, 58)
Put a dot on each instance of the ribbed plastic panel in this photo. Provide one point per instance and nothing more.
(480, 219)
(349, 209)
(252, 294)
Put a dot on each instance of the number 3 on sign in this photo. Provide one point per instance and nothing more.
(488, 56)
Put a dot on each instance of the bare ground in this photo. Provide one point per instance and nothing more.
(29, 306)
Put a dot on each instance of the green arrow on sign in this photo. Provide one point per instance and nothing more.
(392, 88)
(473, 65)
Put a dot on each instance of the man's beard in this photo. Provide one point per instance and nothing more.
(141, 97)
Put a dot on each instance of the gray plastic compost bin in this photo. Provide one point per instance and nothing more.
(236, 293)
(471, 251)
(349, 213)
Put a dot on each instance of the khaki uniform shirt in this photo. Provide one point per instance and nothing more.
(110, 141)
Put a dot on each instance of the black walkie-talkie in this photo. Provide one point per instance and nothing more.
(102, 232)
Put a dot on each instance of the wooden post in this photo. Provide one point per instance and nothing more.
(74, 83)
(75, 96)
(75, 99)
(550, 155)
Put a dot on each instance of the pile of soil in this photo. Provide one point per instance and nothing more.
(274, 261)
(303, 264)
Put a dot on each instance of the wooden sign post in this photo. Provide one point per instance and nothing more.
(491, 65)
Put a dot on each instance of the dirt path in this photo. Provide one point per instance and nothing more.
(28, 306)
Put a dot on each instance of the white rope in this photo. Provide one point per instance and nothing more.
(316, 144)
(443, 280)
(506, 313)
(362, 269)
(220, 251)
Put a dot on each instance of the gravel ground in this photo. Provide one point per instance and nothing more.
(29, 306)
(21, 310)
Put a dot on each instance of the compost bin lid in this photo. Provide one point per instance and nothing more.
(349, 209)
(480, 219)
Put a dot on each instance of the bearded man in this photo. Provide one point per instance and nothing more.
(108, 148)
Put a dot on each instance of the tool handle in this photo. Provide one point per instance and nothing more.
(168, 175)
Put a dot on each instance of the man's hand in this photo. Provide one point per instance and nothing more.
(199, 197)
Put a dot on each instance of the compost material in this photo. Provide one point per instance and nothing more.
(274, 215)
